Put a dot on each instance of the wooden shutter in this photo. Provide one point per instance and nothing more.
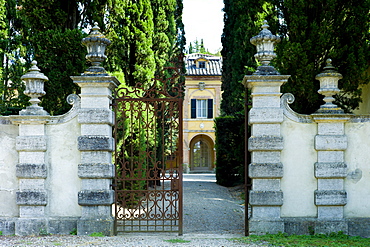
(193, 108)
(210, 108)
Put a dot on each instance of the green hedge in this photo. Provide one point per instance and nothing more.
(230, 150)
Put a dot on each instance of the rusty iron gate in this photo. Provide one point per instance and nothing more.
(148, 159)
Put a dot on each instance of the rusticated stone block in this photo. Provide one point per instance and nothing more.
(265, 143)
(359, 227)
(265, 115)
(330, 197)
(30, 143)
(330, 142)
(7, 226)
(95, 116)
(63, 225)
(95, 197)
(330, 226)
(95, 224)
(95, 143)
(299, 226)
(330, 170)
(30, 226)
(267, 170)
(266, 198)
(31, 171)
(96, 170)
(31, 197)
(261, 227)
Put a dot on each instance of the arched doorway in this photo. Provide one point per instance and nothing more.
(201, 154)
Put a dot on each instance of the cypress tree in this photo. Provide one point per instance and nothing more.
(314, 31)
(190, 48)
(131, 31)
(51, 28)
(11, 51)
(164, 32)
(180, 30)
(237, 52)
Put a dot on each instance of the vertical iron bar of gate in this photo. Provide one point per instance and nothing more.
(114, 181)
(246, 166)
(180, 165)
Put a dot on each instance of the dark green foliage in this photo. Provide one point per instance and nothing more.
(44, 15)
(314, 31)
(147, 36)
(55, 41)
(11, 51)
(230, 150)
(237, 51)
(164, 32)
(131, 33)
(311, 31)
(60, 55)
(50, 31)
(238, 60)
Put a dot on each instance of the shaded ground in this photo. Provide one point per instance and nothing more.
(210, 208)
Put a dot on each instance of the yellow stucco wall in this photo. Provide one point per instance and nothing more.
(200, 126)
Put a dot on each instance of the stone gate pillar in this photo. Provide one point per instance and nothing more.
(266, 142)
(330, 168)
(32, 167)
(95, 142)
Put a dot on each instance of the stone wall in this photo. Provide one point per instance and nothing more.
(310, 173)
(56, 171)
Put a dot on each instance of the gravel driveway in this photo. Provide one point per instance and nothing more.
(211, 218)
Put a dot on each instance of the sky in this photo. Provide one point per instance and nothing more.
(203, 19)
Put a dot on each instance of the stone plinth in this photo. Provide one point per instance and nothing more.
(31, 170)
(96, 145)
(265, 145)
(330, 171)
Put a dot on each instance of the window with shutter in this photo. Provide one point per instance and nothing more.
(193, 108)
(201, 108)
(210, 108)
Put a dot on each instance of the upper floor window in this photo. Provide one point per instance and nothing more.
(202, 108)
(202, 64)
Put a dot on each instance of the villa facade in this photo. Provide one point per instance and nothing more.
(201, 105)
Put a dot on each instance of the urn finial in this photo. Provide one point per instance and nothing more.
(34, 81)
(265, 43)
(329, 87)
(96, 43)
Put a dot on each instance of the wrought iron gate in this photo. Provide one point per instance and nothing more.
(148, 159)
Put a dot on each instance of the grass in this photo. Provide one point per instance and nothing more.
(175, 241)
(43, 232)
(1, 233)
(281, 239)
(73, 232)
(97, 234)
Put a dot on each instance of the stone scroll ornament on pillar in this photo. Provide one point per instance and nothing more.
(34, 81)
(329, 87)
(96, 43)
(265, 43)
